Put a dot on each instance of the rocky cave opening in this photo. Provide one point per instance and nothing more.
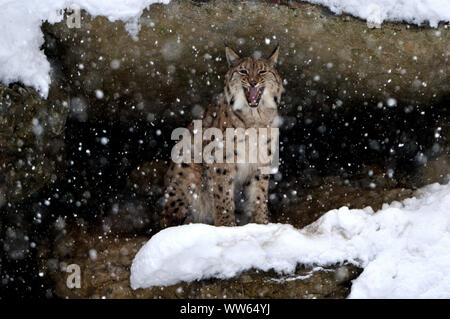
(124, 97)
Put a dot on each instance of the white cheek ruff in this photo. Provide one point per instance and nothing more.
(267, 100)
(240, 101)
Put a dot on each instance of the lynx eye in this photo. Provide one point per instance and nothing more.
(262, 71)
(243, 71)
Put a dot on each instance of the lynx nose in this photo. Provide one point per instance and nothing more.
(253, 84)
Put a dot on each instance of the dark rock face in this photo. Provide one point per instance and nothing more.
(176, 62)
(31, 141)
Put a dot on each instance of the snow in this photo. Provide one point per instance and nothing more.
(403, 248)
(21, 58)
(376, 11)
(21, 38)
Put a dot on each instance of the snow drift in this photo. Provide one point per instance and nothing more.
(376, 11)
(403, 248)
(21, 58)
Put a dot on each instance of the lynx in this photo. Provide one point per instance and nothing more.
(210, 193)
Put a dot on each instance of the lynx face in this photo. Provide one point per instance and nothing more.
(252, 82)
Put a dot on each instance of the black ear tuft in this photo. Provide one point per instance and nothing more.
(273, 57)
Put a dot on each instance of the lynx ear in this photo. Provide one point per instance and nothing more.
(232, 57)
(273, 58)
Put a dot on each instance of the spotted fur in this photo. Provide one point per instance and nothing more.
(208, 193)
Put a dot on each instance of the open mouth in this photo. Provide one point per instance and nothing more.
(253, 95)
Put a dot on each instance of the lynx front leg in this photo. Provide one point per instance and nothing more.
(223, 190)
(257, 193)
(176, 208)
(178, 196)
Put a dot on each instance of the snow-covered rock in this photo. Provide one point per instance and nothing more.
(21, 57)
(403, 248)
(377, 11)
